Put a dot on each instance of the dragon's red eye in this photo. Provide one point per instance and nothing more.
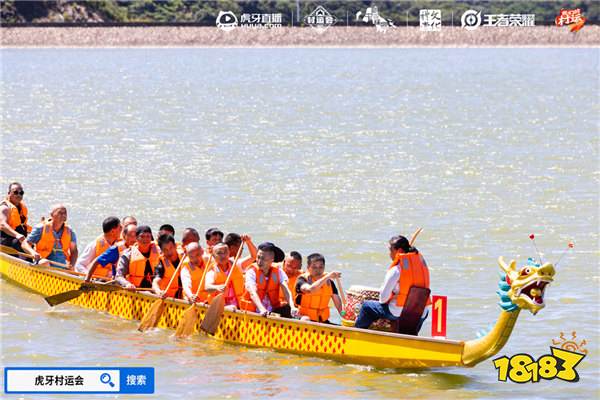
(525, 271)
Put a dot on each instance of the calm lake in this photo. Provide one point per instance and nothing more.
(328, 150)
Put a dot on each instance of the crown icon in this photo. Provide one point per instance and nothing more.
(570, 344)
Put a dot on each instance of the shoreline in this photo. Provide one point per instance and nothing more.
(209, 37)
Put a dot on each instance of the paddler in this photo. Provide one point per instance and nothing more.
(234, 241)
(189, 235)
(112, 254)
(111, 228)
(408, 269)
(217, 275)
(137, 264)
(315, 289)
(212, 236)
(129, 220)
(191, 274)
(54, 240)
(263, 283)
(166, 268)
(13, 221)
(292, 266)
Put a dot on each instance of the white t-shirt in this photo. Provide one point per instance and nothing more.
(85, 259)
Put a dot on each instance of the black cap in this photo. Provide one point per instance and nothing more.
(268, 246)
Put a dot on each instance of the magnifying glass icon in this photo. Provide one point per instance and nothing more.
(105, 378)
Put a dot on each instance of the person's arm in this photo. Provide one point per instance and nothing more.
(123, 270)
(35, 235)
(74, 252)
(301, 281)
(209, 283)
(389, 282)
(28, 249)
(186, 283)
(110, 256)
(246, 261)
(308, 288)
(159, 274)
(337, 302)
(87, 257)
(287, 292)
(5, 227)
(250, 284)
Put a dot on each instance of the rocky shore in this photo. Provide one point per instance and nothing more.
(158, 36)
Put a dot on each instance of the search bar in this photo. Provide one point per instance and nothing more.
(79, 380)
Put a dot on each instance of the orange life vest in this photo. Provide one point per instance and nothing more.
(316, 305)
(101, 246)
(236, 282)
(17, 216)
(169, 271)
(413, 272)
(292, 285)
(45, 245)
(265, 286)
(196, 275)
(137, 263)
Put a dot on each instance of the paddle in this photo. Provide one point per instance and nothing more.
(414, 236)
(211, 320)
(150, 320)
(85, 288)
(190, 316)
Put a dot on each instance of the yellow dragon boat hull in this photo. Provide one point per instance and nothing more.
(344, 344)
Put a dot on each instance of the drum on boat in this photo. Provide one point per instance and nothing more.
(355, 296)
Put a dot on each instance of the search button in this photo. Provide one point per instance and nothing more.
(106, 378)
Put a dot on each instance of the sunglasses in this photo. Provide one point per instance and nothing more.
(18, 193)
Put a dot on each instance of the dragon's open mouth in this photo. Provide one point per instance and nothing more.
(535, 291)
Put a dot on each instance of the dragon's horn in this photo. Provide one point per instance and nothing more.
(507, 268)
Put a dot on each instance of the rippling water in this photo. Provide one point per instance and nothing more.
(317, 150)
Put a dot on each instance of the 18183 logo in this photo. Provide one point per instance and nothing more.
(560, 364)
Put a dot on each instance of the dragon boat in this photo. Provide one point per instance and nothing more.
(519, 289)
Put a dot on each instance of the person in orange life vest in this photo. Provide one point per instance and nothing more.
(54, 240)
(112, 228)
(129, 220)
(264, 281)
(13, 221)
(166, 268)
(234, 241)
(292, 266)
(191, 274)
(408, 269)
(164, 229)
(315, 288)
(212, 236)
(137, 264)
(189, 235)
(112, 254)
(217, 275)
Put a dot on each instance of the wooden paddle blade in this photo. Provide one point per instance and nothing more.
(63, 297)
(187, 322)
(211, 320)
(150, 320)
